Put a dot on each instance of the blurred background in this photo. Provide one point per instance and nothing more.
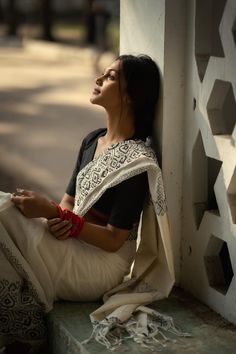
(50, 54)
(72, 22)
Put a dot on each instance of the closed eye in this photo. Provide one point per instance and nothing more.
(109, 76)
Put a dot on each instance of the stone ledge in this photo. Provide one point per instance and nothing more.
(69, 325)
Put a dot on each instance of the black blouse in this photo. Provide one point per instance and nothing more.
(122, 203)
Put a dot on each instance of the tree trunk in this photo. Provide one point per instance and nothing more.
(12, 18)
(47, 19)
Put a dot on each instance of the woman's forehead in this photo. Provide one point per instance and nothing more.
(114, 66)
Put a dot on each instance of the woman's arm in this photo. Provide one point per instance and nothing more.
(33, 205)
(108, 237)
(67, 202)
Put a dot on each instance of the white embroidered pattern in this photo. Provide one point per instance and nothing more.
(118, 163)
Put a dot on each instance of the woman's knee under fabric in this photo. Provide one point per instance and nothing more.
(37, 269)
(68, 269)
(21, 316)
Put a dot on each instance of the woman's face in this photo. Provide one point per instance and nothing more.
(110, 87)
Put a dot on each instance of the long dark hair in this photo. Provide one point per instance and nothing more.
(142, 78)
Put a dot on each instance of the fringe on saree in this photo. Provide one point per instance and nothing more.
(152, 276)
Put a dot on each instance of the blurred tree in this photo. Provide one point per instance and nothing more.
(89, 22)
(12, 17)
(47, 19)
(1, 13)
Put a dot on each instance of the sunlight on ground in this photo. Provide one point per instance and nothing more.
(45, 113)
(9, 128)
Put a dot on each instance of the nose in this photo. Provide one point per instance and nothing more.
(99, 81)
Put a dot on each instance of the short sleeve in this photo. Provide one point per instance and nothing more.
(72, 183)
(128, 201)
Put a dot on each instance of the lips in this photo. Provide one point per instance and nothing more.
(96, 91)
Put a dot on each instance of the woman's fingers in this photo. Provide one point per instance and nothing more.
(63, 225)
(53, 221)
(20, 196)
(17, 200)
(32, 204)
(60, 229)
(24, 192)
(64, 236)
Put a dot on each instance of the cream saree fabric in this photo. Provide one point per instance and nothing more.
(36, 269)
(32, 259)
(152, 276)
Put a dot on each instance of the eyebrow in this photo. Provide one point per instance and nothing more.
(109, 70)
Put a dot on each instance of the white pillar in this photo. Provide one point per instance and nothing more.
(156, 28)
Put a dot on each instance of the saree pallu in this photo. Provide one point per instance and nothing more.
(50, 269)
(152, 276)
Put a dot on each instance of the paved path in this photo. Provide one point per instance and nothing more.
(45, 112)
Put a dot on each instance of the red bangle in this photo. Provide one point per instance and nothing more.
(59, 209)
(76, 220)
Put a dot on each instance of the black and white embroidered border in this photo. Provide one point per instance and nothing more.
(21, 311)
(124, 156)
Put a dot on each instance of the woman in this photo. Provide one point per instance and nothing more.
(88, 244)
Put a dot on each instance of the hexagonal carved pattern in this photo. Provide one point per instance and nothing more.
(218, 265)
(221, 108)
(209, 216)
(204, 173)
(207, 38)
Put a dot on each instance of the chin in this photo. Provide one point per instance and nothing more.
(95, 100)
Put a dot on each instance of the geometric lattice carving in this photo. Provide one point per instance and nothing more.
(221, 108)
(204, 173)
(208, 15)
(218, 265)
(232, 196)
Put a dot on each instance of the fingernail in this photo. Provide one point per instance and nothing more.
(19, 190)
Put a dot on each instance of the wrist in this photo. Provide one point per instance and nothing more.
(66, 214)
(52, 211)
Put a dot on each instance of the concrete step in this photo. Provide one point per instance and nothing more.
(69, 325)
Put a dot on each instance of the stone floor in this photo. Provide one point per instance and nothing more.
(70, 325)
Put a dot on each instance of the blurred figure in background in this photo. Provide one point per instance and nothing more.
(101, 16)
(47, 14)
(89, 22)
(11, 17)
(16, 14)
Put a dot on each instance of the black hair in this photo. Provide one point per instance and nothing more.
(142, 79)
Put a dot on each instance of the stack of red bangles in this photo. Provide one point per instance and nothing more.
(76, 220)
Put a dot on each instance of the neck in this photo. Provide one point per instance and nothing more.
(119, 127)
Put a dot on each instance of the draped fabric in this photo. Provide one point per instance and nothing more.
(22, 299)
(31, 277)
(152, 276)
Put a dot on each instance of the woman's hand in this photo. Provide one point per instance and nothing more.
(60, 229)
(33, 205)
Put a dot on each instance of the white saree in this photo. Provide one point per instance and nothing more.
(37, 269)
